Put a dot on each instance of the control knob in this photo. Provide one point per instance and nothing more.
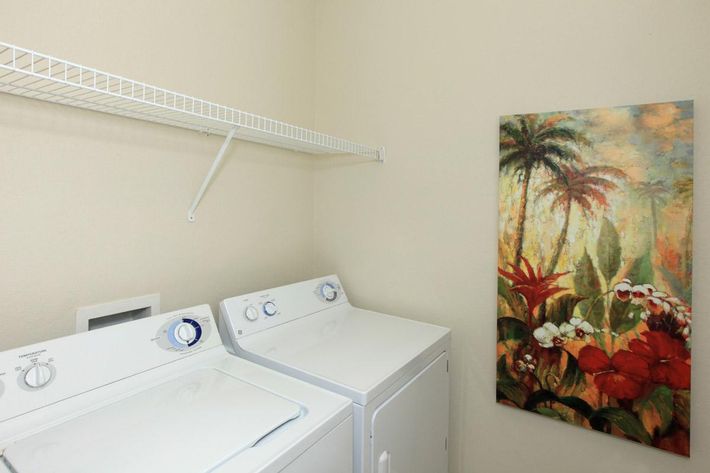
(329, 291)
(251, 314)
(270, 308)
(185, 333)
(38, 375)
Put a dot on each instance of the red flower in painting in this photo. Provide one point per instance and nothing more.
(622, 376)
(533, 286)
(667, 359)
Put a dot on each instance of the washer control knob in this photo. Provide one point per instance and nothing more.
(38, 375)
(329, 291)
(251, 314)
(185, 333)
(270, 308)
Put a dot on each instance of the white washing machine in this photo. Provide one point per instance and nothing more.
(161, 394)
(395, 370)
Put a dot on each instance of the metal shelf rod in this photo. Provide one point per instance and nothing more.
(210, 174)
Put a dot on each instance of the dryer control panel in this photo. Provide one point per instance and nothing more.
(252, 313)
(45, 373)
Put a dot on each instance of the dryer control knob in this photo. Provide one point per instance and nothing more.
(185, 333)
(329, 291)
(270, 308)
(251, 314)
(38, 375)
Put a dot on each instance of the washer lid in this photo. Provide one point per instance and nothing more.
(191, 424)
(354, 352)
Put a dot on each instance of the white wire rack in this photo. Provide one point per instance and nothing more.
(34, 75)
(39, 76)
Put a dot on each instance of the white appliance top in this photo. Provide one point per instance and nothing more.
(206, 416)
(157, 394)
(354, 352)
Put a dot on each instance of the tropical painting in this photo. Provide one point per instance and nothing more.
(594, 269)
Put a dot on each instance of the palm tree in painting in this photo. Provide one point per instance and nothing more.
(527, 144)
(656, 193)
(581, 186)
(684, 190)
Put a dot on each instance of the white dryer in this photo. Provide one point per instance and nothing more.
(162, 395)
(394, 369)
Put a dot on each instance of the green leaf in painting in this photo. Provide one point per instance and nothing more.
(516, 305)
(510, 328)
(656, 410)
(553, 414)
(572, 375)
(562, 308)
(587, 284)
(573, 402)
(681, 408)
(676, 286)
(622, 419)
(507, 387)
(623, 316)
(512, 390)
(501, 368)
(608, 250)
(641, 271)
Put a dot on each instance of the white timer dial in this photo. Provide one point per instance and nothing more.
(38, 375)
(270, 308)
(185, 333)
(251, 314)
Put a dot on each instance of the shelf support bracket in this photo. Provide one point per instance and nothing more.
(210, 174)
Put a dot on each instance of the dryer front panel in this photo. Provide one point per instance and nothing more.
(410, 429)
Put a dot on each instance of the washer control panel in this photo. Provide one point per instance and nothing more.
(43, 374)
(183, 332)
(252, 313)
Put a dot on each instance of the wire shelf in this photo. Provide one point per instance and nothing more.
(30, 74)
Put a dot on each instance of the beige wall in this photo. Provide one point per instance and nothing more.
(94, 207)
(417, 236)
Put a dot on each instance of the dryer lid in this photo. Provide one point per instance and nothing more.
(355, 352)
(191, 424)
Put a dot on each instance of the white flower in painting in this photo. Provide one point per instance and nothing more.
(640, 292)
(526, 364)
(576, 328)
(623, 290)
(549, 336)
(656, 305)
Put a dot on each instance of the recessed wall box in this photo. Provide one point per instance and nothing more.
(116, 312)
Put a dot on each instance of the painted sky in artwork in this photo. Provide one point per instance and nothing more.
(650, 143)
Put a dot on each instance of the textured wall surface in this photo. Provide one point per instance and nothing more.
(417, 236)
(94, 207)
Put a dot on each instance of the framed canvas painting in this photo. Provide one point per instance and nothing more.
(594, 269)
